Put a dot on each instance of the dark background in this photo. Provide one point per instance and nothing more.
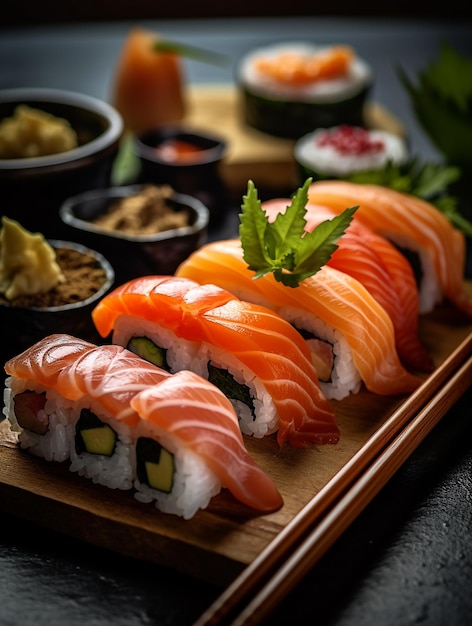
(31, 12)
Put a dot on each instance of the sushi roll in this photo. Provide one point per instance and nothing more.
(248, 351)
(383, 270)
(69, 400)
(177, 446)
(349, 334)
(341, 151)
(192, 429)
(31, 403)
(289, 89)
(435, 248)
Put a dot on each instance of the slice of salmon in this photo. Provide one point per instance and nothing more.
(148, 86)
(382, 269)
(192, 413)
(333, 297)
(410, 223)
(260, 339)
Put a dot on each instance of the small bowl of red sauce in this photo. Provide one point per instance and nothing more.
(188, 160)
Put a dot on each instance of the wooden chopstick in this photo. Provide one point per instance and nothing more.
(307, 537)
(352, 503)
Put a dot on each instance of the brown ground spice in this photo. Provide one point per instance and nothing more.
(83, 275)
(144, 213)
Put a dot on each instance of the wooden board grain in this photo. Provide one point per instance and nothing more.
(251, 154)
(220, 541)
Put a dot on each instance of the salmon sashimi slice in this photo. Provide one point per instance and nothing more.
(382, 269)
(150, 295)
(186, 411)
(412, 224)
(44, 361)
(148, 88)
(270, 347)
(210, 320)
(109, 374)
(338, 301)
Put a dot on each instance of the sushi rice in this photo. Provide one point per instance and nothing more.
(55, 444)
(58, 442)
(182, 354)
(194, 483)
(362, 150)
(193, 487)
(323, 91)
(345, 378)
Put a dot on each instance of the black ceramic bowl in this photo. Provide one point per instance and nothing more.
(33, 188)
(22, 326)
(187, 159)
(135, 255)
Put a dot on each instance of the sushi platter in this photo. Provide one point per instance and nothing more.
(227, 540)
(220, 542)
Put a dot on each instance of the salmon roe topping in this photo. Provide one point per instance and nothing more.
(350, 140)
(296, 69)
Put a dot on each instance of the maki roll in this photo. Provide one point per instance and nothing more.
(189, 446)
(112, 415)
(349, 334)
(290, 89)
(342, 151)
(383, 270)
(435, 248)
(69, 400)
(251, 353)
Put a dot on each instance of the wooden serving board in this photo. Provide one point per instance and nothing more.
(251, 154)
(220, 541)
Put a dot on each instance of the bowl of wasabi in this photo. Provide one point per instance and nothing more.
(47, 287)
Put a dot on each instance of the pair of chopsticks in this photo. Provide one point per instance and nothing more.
(263, 584)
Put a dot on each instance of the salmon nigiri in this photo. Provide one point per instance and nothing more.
(82, 407)
(249, 351)
(382, 269)
(350, 335)
(74, 369)
(186, 412)
(412, 224)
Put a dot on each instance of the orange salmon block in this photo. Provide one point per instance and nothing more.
(148, 88)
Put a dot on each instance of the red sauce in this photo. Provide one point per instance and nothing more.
(350, 140)
(178, 151)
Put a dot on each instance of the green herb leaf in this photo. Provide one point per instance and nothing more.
(442, 102)
(191, 52)
(451, 76)
(284, 247)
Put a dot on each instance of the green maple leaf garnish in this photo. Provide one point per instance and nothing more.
(442, 102)
(284, 247)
